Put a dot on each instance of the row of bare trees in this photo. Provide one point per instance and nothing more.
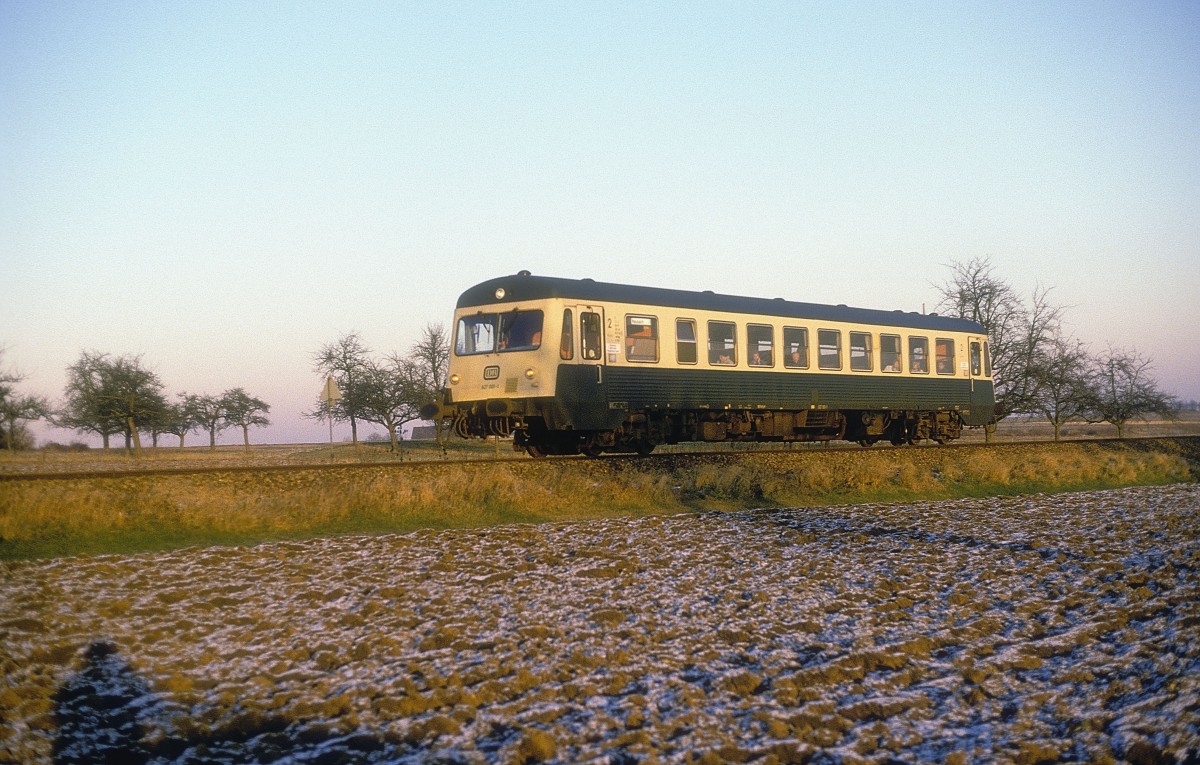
(386, 390)
(1038, 368)
(119, 395)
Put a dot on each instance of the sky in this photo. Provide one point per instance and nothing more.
(224, 187)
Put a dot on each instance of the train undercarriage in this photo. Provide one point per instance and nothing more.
(641, 431)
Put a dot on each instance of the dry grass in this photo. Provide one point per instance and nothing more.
(132, 513)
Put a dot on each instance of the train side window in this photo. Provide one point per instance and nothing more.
(918, 355)
(976, 359)
(987, 360)
(945, 356)
(566, 346)
(760, 344)
(475, 334)
(685, 341)
(889, 353)
(860, 352)
(829, 349)
(722, 343)
(641, 338)
(591, 337)
(520, 330)
(795, 347)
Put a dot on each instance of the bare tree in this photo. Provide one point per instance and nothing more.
(431, 355)
(389, 394)
(1016, 333)
(209, 412)
(179, 419)
(15, 407)
(345, 361)
(1122, 389)
(112, 395)
(8, 379)
(85, 406)
(245, 411)
(1061, 382)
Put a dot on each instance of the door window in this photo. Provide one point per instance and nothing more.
(591, 336)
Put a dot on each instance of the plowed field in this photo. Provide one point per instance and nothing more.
(1028, 629)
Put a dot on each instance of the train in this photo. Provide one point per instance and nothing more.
(576, 366)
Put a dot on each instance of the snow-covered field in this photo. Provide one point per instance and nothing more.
(1028, 629)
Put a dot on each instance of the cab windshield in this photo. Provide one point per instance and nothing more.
(498, 332)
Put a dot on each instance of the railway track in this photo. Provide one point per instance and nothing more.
(1190, 445)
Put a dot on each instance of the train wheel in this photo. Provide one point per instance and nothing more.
(643, 447)
(534, 450)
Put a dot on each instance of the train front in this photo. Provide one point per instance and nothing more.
(503, 360)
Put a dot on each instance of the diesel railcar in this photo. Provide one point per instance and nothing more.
(569, 366)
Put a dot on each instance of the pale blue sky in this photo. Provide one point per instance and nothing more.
(224, 187)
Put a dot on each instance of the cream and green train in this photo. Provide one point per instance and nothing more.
(569, 366)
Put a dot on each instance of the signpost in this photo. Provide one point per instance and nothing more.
(330, 395)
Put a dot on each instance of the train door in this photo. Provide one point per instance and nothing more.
(581, 383)
(582, 338)
(591, 335)
(979, 370)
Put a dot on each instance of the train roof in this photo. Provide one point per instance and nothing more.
(524, 286)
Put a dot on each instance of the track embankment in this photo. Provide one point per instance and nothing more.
(115, 512)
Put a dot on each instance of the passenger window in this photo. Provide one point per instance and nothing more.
(760, 339)
(829, 349)
(860, 352)
(566, 346)
(945, 356)
(685, 341)
(918, 355)
(987, 360)
(591, 336)
(641, 338)
(722, 343)
(976, 360)
(795, 347)
(889, 353)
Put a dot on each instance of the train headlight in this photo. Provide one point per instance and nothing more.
(529, 373)
(455, 379)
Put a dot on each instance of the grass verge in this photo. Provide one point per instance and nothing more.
(128, 514)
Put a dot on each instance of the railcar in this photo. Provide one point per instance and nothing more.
(569, 366)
